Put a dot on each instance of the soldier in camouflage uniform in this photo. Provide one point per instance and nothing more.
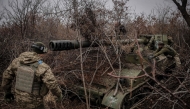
(119, 30)
(151, 42)
(169, 52)
(33, 79)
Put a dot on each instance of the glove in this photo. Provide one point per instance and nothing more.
(9, 97)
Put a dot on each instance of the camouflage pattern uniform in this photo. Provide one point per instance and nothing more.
(119, 30)
(151, 42)
(170, 41)
(44, 81)
(171, 55)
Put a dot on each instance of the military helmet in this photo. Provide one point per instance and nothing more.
(39, 48)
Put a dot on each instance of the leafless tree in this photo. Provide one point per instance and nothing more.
(23, 15)
(162, 15)
(182, 6)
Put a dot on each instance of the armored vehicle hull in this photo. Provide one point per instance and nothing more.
(122, 87)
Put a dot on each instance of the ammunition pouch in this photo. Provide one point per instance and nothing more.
(39, 89)
(36, 88)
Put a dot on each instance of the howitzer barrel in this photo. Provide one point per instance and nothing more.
(128, 41)
(59, 45)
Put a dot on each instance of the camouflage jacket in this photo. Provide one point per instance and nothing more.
(166, 50)
(43, 75)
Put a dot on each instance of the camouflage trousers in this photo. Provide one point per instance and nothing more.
(28, 101)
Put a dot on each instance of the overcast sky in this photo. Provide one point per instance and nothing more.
(135, 6)
(1, 4)
(145, 6)
(138, 5)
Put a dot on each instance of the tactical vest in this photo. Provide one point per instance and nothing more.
(26, 80)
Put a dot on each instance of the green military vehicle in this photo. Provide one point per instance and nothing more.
(124, 87)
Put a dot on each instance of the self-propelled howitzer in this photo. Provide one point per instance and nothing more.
(128, 89)
(59, 45)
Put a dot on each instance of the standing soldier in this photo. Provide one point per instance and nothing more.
(170, 41)
(33, 79)
(120, 30)
(169, 52)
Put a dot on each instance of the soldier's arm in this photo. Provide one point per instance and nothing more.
(160, 52)
(51, 83)
(150, 42)
(157, 50)
(8, 76)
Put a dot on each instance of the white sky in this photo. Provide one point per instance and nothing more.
(139, 6)
(135, 6)
(145, 6)
(1, 4)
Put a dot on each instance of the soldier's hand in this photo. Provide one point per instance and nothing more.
(150, 57)
(9, 97)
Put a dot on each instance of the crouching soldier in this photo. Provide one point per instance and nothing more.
(169, 52)
(33, 79)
